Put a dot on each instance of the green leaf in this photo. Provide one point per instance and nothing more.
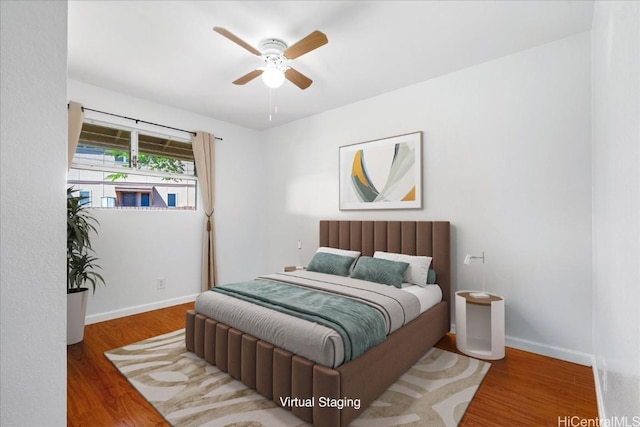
(81, 262)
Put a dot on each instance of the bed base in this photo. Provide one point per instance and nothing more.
(277, 373)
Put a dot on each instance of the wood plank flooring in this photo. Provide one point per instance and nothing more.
(524, 389)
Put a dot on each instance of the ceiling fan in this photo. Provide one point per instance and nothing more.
(276, 56)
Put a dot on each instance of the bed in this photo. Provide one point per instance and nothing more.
(287, 376)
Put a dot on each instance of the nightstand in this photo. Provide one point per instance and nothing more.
(290, 268)
(480, 325)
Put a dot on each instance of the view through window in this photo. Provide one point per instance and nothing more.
(126, 168)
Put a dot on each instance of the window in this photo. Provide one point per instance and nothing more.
(128, 199)
(130, 168)
(108, 202)
(145, 200)
(86, 197)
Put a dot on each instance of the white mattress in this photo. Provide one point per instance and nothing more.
(428, 295)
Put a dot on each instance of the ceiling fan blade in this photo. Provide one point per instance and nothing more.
(305, 45)
(297, 78)
(228, 34)
(247, 77)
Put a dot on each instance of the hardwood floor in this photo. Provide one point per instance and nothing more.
(97, 394)
(524, 389)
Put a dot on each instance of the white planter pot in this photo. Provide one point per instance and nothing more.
(76, 312)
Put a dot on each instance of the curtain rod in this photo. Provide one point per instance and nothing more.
(143, 121)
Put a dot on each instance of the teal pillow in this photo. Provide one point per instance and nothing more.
(325, 262)
(380, 270)
(431, 277)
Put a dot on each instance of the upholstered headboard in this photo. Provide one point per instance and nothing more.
(426, 238)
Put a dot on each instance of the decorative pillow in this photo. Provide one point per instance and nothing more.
(418, 266)
(325, 262)
(431, 277)
(343, 252)
(380, 270)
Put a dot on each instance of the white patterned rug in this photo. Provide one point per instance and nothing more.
(187, 391)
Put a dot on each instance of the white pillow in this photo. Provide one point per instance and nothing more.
(343, 252)
(418, 266)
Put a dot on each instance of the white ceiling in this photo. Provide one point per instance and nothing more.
(166, 51)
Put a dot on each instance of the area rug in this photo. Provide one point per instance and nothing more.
(187, 391)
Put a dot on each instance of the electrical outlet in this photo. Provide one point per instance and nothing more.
(160, 283)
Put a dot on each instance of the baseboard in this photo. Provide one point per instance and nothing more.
(550, 350)
(109, 315)
(546, 350)
(599, 389)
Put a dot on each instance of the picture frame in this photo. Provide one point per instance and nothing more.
(382, 174)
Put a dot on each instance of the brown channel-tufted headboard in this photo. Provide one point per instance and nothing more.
(426, 238)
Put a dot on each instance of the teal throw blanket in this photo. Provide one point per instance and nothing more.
(360, 325)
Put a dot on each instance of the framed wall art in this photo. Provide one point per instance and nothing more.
(382, 174)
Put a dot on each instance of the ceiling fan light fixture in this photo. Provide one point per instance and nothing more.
(276, 54)
(273, 77)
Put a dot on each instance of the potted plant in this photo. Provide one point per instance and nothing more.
(81, 264)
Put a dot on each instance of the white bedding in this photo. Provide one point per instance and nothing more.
(428, 295)
(308, 339)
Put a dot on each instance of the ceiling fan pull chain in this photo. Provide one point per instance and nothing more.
(271, 103)
(275, 105)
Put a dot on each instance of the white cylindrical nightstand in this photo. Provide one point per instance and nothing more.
(480, 325)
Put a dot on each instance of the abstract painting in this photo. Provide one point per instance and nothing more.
(382, 174)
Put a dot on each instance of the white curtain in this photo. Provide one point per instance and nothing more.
(203, 152)
(75, 118)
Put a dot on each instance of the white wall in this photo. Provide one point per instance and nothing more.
(506, 158)
(616, 207)
(32, 250)
(136, 247)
